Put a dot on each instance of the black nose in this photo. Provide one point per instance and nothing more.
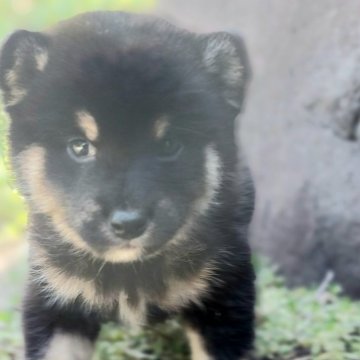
(128, 224)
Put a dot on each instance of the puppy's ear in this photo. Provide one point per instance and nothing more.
(225, 59)
(23, 57)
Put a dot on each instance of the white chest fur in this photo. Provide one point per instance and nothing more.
(134, 315)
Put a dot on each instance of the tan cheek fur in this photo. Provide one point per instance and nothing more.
(45, 198)
(68, 347)
(181, 293)
(212, 179)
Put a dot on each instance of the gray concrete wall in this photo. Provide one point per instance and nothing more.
(300, 129)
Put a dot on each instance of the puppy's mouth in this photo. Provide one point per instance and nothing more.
(116, 249)
(123, 253)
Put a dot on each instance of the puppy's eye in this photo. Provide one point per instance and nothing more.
(81, 150)
(169, 149)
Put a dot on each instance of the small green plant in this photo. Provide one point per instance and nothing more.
(160, 342)
(317, 324)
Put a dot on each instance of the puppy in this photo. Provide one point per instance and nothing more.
(122, 140)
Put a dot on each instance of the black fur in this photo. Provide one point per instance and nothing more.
(127, 71)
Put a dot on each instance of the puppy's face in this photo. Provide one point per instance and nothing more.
(117, 128)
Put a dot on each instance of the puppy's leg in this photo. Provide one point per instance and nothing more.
(66, 345)
(197, 345)
(53, 333)
(223, 328)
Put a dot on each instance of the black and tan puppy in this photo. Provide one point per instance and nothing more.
(122, 139)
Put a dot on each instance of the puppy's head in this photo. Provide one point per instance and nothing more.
(121, 127)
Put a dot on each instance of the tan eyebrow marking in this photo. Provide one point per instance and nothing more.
(160, 127)
(88, 124)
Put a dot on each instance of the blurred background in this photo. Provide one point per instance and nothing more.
(301, 135)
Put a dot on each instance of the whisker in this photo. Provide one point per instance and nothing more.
(100, 269)
(193, 131)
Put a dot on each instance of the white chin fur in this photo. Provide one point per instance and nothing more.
(123, 255)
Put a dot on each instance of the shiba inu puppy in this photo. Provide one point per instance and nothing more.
(122, 140)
